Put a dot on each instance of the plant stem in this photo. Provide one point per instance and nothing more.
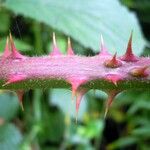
(59, 71)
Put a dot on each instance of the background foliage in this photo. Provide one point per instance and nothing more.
(48, 122)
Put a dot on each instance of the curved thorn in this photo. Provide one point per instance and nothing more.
(14, 79)
(111, 95)
(139, 72)
(114, 78)
(55, 50)
(54, 40)
(129, 56)
(103, 49)
(113, 62)
(106, 112)
(79, 95)
(129, 46)
(70, 50)
(15, 53)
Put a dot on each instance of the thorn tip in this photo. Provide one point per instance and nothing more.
(113, 62)
(55, 50)
(54, 40)
(129, 56)
(103, 49)
(139, 72)
(70, 50)
(111, 95)
(15, 54)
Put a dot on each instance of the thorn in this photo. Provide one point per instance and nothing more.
(54, 40)
(77, 91)
(106, 112)
(103, 49)
(55, 50)
(111, 95)
(70, 50)
(20, 94)
(139, 72)
(113, 63)
(72, 96)
(15, 54)
(76, 83)
(80, 93)
(114, 78)
(7, 50)
(14, 79)
(129, 56)
(74, 89)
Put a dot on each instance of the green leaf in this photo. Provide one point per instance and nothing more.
(141, 103)
(122, 143)
(8, 106)
(19, 44)
(85, 20)
(131, 97)
(142, 132)
(5, 21)
(93, 129)
(53, 125)
(10, 137)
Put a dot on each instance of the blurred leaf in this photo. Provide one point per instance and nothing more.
(122, 143)
(139, 105)
(19, 44)
(77, 139)
(142, 8)
(62, 99)
(53, 125)
(130, 97)
(93, 129)
(146, 51)
(85, 20)
(85, 147)
(142, 102)
(73, 138)
(117, 115)
(95, 105)
(144, 146)
(5, 21)
(8, 106)
(98, 93)
(143, 5)
(10, 137)
(140, 120)
(142, 132)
